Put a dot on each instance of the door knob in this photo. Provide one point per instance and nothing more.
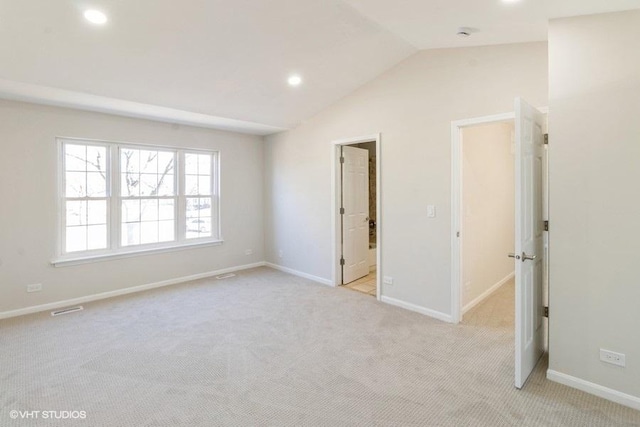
(512, 255)
(527, 257)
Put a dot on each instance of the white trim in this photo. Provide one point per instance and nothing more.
(495, 118)
(299, 274)
(114, 198)
(595, 389)
(456, 201)
(335, 235)
(456, 204)
(418, 309)
(125, 291)
(16, 91)
(486, 294)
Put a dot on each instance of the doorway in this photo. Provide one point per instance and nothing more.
(487, 206)
(530, 257)
(356, 219)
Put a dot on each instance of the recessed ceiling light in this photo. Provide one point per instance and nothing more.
(95, 17)
(295, 80)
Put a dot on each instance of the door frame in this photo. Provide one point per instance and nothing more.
(336, 192)
(456, 202)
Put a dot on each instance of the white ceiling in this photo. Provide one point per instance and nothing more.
(230, 59)
(429, 24)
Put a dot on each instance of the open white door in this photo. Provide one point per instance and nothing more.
(355, 219)
(529, 239)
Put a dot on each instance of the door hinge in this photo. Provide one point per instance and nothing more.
(546, 139)
(341, 260)
(341, 211)
(546, 226)
(341, 159)
(546, 312)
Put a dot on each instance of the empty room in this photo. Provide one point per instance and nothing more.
(331, 213)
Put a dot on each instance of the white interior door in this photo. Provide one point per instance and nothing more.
(355, 219)
(529, 243)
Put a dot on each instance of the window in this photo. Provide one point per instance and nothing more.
(121, 198)
(148, 196)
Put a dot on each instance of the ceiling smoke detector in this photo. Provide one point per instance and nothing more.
(465, 32)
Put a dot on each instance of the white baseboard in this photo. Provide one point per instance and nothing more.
(595, 389)
(486, 294)
(300, 274)
(125, 291)
(418, 309)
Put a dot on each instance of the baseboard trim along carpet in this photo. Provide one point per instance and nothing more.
(418, 309)
(125, 291)
(595, 389)
(486, 294)
(299, 274)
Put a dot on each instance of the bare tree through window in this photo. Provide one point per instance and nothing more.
(116, 196)
(86, 197)
(148, 191)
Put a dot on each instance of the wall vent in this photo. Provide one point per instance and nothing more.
(66, 310)
(225, 276)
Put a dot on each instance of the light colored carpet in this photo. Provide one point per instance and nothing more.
(267, 348)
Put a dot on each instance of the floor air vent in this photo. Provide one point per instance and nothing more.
(225, 276)
(66, 310)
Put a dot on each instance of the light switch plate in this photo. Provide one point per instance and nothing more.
(431, 211)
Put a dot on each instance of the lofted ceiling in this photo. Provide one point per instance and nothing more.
(225, 63)
(431, 24)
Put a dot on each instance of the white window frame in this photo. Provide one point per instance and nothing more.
(114, 205)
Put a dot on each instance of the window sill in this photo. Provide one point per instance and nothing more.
(69, 261)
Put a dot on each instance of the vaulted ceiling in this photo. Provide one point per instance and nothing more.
(229, 60)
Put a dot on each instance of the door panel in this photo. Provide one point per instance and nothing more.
(355, 221)
(529, 239)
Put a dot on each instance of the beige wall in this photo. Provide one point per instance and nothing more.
(594, 157)
(412, 105)
(28, 204)
(488, 208)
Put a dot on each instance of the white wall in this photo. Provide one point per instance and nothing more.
(412, 105)
(594, 154)
(28, 204)
(488, 204)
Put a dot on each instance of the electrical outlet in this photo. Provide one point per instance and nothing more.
(248, 252)
(387, 280)
(36, 287)
(612, 357)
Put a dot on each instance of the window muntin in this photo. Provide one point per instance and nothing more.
(148, 196)
(85, 194)
(122, 198)
(198, 191)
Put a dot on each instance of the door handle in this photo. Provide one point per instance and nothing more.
(512, 255)
(527, 257)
